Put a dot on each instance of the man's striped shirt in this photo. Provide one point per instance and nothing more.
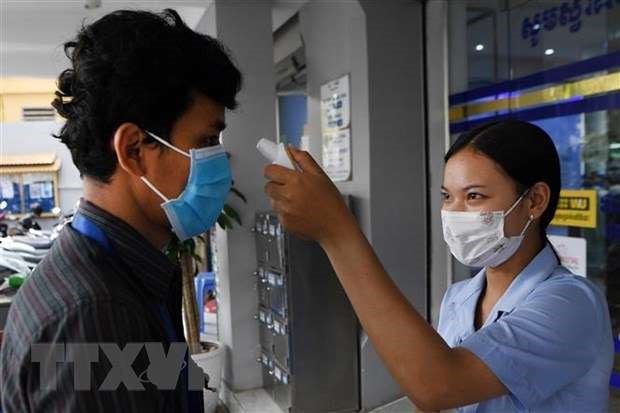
(83, 293)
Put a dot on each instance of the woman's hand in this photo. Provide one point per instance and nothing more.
(307, 202)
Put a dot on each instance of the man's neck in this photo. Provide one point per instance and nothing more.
(117, 201)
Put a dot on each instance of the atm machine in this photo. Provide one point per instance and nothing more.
(309, 334)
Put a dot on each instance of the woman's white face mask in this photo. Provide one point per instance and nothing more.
(477, 239)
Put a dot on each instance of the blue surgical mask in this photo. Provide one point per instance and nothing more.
(197, 208)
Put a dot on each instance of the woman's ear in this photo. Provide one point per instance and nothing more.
(539, 196)
(129, 149)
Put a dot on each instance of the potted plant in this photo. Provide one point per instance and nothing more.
(208, 355)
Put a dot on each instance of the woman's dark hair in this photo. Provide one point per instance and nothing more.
(140, 67)
(524, 151)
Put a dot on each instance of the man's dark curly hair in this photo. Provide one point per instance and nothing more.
(139, 67)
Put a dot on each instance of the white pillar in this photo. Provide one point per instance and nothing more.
(245, 29)
(438, 143)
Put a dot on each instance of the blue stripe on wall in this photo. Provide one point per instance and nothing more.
(554, 75)
(591, 104)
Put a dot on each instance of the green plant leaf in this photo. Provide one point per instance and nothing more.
(224, 222)
(173, 249)
(239, 194)
(232, 213)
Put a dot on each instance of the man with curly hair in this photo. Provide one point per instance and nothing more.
(144, 101)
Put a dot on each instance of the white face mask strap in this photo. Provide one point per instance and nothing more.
(517, 202)
(150, 185)
(529, 222)
(168, 144)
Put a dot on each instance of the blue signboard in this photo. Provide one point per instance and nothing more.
(9, 193)
(39, 190)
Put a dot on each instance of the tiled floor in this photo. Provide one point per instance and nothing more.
(399, 406)
(258, 401)
(250, 401)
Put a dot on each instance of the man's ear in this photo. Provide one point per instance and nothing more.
(129, 149)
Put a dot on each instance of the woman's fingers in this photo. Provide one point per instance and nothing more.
(279, 174)
(305, 161)
(275, 191)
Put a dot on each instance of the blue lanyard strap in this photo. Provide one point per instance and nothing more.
(90, 229)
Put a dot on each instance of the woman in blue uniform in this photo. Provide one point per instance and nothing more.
(524, 334)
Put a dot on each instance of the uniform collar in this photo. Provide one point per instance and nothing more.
(150, 265)
(472, 289)
(538, 270)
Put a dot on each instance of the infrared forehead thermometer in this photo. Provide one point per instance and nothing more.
(276, 153)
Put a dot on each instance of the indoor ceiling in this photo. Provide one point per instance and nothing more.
(32, 32)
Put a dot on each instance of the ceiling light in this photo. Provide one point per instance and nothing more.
(479, 47)
(549, 52)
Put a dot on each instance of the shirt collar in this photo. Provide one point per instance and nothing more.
(473, 286)
(466, 301)
(538, 270)
(150, 265)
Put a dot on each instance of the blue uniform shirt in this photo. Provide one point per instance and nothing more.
(548, 339)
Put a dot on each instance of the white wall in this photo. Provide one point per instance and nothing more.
(335, 41)
(20, 138)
